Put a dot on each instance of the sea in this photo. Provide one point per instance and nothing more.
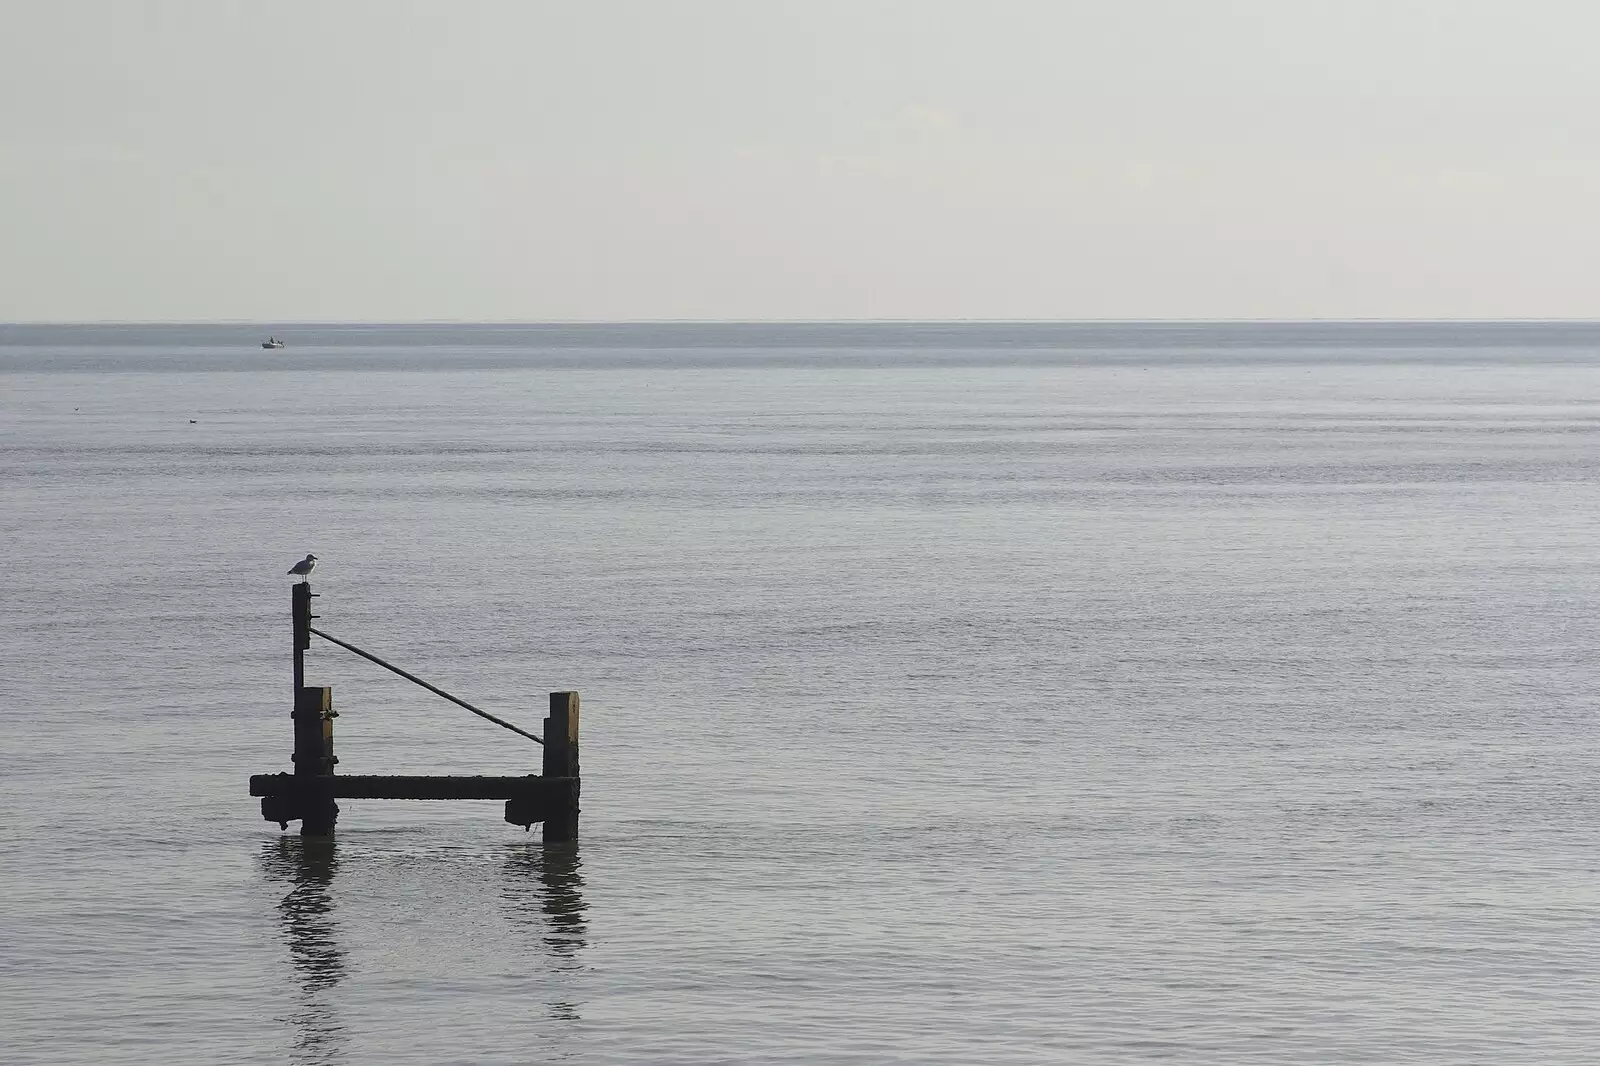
(1214, 693)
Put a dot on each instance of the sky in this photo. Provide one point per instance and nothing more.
(816, 159)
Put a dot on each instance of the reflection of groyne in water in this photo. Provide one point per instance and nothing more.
(545, 884)
(541, 887)
(307, 866)
(308, 795)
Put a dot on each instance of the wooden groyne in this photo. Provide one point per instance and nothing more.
(309, 795)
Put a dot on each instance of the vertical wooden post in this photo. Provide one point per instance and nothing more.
(313, 731)
(300, 610)
(314, 760)
(561, 760)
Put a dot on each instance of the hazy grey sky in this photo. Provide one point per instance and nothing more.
(286, 160)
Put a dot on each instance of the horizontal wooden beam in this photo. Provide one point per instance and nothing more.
(383, 786)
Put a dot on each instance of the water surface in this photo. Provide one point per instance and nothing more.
(1016, 693)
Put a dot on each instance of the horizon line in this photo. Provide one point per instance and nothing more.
(269, 323)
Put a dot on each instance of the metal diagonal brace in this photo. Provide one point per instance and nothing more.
(415, 680)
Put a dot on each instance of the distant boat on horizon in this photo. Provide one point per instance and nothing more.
(272, 342)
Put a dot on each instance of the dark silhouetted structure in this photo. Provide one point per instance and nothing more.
(309, 794)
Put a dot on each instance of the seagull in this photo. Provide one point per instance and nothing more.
(304, 567)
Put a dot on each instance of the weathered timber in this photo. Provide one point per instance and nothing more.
(300, 611)
(313, 761)
(309, 793)
(411, 787)
(560, 761)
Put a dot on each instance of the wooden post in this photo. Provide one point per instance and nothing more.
(314, 759)
(561, 760)
(309, 794)
(300, 609)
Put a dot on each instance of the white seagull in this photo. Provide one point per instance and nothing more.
(304, 567)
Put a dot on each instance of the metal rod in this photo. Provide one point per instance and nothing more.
(415, 680)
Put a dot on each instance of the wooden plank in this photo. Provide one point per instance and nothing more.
(385, 786)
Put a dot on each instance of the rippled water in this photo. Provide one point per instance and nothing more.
(1104, 694)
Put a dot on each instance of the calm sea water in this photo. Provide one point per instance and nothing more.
(1084, 694)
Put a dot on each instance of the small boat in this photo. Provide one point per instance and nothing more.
(272, 342)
